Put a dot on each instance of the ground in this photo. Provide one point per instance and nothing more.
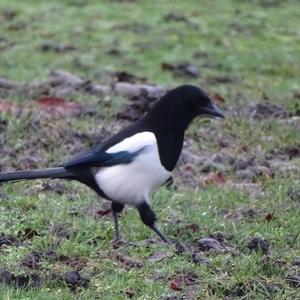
(233, 208)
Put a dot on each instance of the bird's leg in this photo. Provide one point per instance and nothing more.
(117, 208)
(148, 217)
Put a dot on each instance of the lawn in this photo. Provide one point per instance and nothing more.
(233, 209)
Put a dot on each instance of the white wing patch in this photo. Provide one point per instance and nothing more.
(131, 183)
(134, 143)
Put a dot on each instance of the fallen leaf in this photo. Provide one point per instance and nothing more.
(217, 98)
(54, 106)
(216, 179)
(269, 217)
(177, 283)
(105, 209)
(184, 279)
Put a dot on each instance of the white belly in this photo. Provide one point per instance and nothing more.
(131, 183)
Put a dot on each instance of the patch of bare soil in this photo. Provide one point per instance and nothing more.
(181, 69)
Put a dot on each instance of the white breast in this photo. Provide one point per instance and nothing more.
(131, 183)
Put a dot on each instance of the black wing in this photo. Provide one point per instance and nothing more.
(94, 158)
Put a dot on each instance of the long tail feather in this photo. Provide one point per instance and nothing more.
(59, 172)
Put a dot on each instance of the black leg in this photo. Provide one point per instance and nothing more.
(148, 217)
(117, 208)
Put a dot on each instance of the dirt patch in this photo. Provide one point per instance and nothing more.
(58, 48)
(127, 262)
(8, 240)
(259, 111)
(258, 245)
(181, 69)
(138, 106)
(179, 281)
(214, 244)
(72, 279)
(293, 280)
(241, 289)
(240, 213)
(24, 281)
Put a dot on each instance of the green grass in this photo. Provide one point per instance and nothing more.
(257, 43)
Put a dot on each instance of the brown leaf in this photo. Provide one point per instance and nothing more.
(105, 209)
(269, 217)
(216, 179)
(184, 279)
(54, 106)
(217, 98)
(177, 283)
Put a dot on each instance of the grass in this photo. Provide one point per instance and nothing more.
(255, 43)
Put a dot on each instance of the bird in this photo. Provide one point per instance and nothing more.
(128, 166)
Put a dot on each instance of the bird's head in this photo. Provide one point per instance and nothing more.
(181, 105)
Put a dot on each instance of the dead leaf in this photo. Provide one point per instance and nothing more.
(54, 106)
(217, 98)
(105, 209)
(216, 179)
(269, 217)
(182, 280)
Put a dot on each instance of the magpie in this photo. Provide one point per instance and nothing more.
(128, 166)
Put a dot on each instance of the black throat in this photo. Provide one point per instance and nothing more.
(169, 134)
(169, 147)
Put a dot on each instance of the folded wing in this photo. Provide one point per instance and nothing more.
(101, 159)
